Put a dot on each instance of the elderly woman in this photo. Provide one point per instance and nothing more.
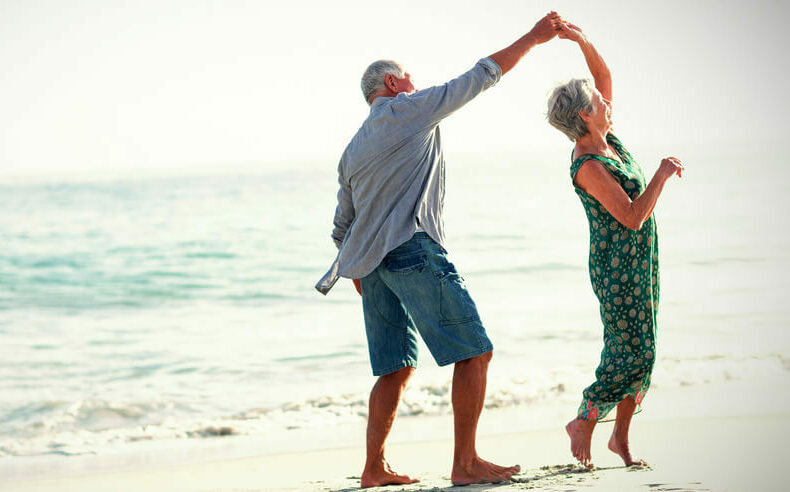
(623, 249)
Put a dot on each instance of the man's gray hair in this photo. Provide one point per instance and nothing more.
(565, 102)
(373, 78)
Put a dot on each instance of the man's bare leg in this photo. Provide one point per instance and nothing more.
(469, 391)
(618, 443)
(383, 405)
(580, 432)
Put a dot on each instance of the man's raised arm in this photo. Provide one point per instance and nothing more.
(436, 103)
(544, 30)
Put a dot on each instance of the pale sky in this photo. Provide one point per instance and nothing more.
(176, 84)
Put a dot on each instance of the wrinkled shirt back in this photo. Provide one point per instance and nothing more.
(391, 174)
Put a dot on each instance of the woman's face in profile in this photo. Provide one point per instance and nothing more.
(601, 114)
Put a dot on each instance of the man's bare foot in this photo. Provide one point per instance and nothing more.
(382, 474)
(481, 471)
(619, 446)
(580, 432)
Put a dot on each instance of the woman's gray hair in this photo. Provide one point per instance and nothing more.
(565, 102)
(373, 78)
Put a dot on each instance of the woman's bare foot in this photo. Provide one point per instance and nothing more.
(481, 471)
(382, 474)
(580, 432)
(619, 446)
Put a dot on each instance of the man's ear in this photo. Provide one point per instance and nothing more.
(389, 82)
(584, 115)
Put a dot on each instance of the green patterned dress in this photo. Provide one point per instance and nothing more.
(624, 276)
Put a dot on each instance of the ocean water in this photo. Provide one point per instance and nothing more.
(160, 308)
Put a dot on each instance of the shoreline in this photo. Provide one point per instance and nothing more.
(695, 438)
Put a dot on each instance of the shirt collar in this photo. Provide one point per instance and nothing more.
(379, 101)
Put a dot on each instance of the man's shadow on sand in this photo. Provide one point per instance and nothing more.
(545, 476)
(411, 488)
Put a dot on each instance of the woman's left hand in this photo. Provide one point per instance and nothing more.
(569, 31)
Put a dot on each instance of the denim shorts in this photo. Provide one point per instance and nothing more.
(416, 289)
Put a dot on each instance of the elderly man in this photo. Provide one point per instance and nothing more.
(389, 231)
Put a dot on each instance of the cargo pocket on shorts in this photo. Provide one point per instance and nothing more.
(456, 305)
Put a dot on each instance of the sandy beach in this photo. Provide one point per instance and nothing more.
(737, 452)
(690, 454)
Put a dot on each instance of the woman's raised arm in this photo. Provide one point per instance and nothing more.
(598, 68)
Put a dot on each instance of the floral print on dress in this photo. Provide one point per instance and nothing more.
(624, 275)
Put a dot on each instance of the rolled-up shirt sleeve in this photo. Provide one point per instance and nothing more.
(344, 213)
(438, 102)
